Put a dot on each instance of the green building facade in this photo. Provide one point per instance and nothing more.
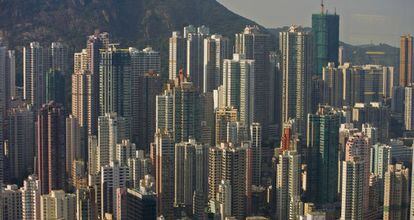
(325, 29)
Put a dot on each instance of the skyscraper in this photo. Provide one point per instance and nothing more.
(254, 44)
(257, 152)
(396, 192)
(184, 173)
(55, 87)
(11, 202)
(74, 148)
(164, 167)
(59, 57)
(95, 43)
(288, 184)
(84, 102)
(115, 85)
(195, 53)
(323, 147)
(353, 195)
(31, 198)
(144, 126)
(333, 85)
(177, 54)
(34, 67)
(51, 149)
(58, 205)
(409, 108)
(229, 163)
(7, 75)
(113, 176)
(224, 116)
(146, 83)
(111, 131)
(356, 152)
(177, 110)
(325, 30)
(406, 60)
(297, 71)
(85, 204)
(141, 204)
(21, 140)
(216, 49)
(238, 84)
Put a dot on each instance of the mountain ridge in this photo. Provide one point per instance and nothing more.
(132, 22)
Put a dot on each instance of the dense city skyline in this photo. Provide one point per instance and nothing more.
(239, 127)
(363, 22)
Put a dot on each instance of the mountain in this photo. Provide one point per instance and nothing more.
(130, 22)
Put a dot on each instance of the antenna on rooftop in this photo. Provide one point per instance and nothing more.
(322, 7)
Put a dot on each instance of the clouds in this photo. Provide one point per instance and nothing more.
(362, 21)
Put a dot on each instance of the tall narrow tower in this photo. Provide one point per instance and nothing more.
(406, 60)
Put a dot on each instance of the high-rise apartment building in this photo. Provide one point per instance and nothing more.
(34, 69)
(10, 77)
(115, 85)
(224, 116)
(177, 110)
(74, 148)
(144, 124)
(409, 108)
(323, 147)
(84, 101)
(51, 149)
(195, 56)
(333, 93)
(11, 202)
(139, 167)
(325, 30)
(368, 83)
(141, 204)
(297, 71)
(111, 131)
(254, 44)
(58, 205)
(55, 86)
(216, 49)
(59, 57)
(357, 150)
(31, 198)
(85, 204)
(7, 76)
(125, 151)
(239, 87)
(21, 140)
(288, 185)
(177, 54)
(380, 158)
(352, 192)
(257, 153)
(164, 166)
(191, 172)
(406, 60)
(229, 163)
(113, 176)
(376, 114)
(396, 192)
(80, 61)
(146, 83)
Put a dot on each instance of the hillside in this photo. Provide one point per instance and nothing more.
(132, 22)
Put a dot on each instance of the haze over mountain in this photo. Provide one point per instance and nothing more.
(130, 22)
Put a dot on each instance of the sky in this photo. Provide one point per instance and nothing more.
(362, 21)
